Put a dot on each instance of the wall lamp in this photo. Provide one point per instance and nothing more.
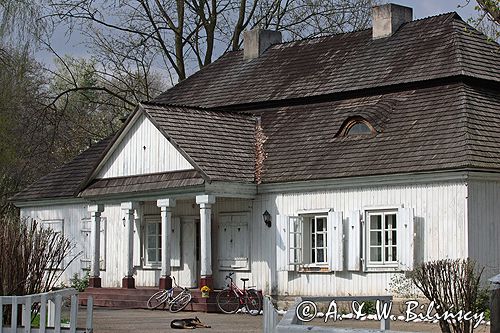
(267, 218)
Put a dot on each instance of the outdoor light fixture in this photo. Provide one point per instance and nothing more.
(267, 218)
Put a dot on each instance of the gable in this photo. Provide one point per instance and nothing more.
(142, 150)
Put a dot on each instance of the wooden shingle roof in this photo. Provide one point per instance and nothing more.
(431, 91)
(436, 128)
(220, 143)
(66, 181)
(436, 47)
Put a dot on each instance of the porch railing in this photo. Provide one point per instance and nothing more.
(50, 308)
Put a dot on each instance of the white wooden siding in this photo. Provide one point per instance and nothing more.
(441, 231)
(143, 150)
(484, 224)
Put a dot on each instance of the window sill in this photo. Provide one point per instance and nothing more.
(237, 269)
(374, 269)
(314, 269)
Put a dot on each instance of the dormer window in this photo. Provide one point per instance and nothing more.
(357, 126)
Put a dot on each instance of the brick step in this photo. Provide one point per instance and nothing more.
(137, 299)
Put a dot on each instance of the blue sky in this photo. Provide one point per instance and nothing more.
(72, 45)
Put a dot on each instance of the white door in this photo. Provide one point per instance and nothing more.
(187, 274)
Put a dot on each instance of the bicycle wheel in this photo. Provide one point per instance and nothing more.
(253, 302)
(180, 301)
(157, 299)
(228, 301)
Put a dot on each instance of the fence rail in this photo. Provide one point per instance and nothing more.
(50, 308)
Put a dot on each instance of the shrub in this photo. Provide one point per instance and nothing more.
(453, 285)
(31, 257)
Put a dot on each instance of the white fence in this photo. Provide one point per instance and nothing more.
(50, 312)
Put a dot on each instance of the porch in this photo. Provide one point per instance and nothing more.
(152, 236)
(120, 298)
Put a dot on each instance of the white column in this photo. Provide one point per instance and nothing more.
(95, 241)
(205, 202)
(166, 206)
(129, 210)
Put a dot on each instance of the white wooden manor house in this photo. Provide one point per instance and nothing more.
(316, 167)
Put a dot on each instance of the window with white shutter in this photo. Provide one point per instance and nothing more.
(388, 239)
(86, 236)
(56, 225)
(233, 241)
(310, 240)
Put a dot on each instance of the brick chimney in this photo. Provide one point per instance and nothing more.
(386, 19)
(257, 41)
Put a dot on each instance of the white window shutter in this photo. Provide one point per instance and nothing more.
(354, 240)
(102, 249)
(295, 243)
(335, 241)
(175, 242)
(405, 239)
(281, 243)
(85, 234)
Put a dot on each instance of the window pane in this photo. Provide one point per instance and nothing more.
(152, 255)
(375, 254)
(390, 253)
(313, 240)
(375, 222)
(151, 242)
(321, 255)
(313, 256)
(375, 238)
(359, 128)
(320, 240)
(321, 223)
(151, 228)
(390, 221)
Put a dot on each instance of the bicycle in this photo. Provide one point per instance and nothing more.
(232, 298)
(166, 298)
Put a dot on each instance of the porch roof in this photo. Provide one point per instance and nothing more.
(143, 183)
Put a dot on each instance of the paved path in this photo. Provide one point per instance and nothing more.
(110, 320)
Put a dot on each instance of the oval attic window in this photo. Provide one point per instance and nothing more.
(358, 126)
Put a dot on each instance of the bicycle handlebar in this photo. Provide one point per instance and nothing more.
(229, 275)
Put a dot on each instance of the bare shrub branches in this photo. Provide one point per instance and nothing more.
(451, 284)
(32, 258)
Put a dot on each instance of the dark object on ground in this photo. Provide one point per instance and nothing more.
(188, 323)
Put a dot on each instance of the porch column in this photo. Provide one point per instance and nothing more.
(95, 245)
(129, 209)
(205, 202)
(166, 206)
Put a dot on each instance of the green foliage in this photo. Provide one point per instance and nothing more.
(79, 283)
(483, 302)
(370, 307)
(402, 286)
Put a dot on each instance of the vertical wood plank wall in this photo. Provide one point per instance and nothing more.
(484, 224)
(151, 153)
(441, 228)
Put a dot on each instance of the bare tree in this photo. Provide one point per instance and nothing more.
(183, 35)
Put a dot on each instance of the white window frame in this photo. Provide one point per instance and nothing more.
(308, 246)
(290, 242)
(147, 221)
(175, 242)
(405, 239)
(385, 241)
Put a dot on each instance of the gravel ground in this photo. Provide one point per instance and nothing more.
(109, 320)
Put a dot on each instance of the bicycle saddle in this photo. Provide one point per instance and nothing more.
(244, 279)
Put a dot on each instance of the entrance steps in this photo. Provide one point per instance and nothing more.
(120, 298)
